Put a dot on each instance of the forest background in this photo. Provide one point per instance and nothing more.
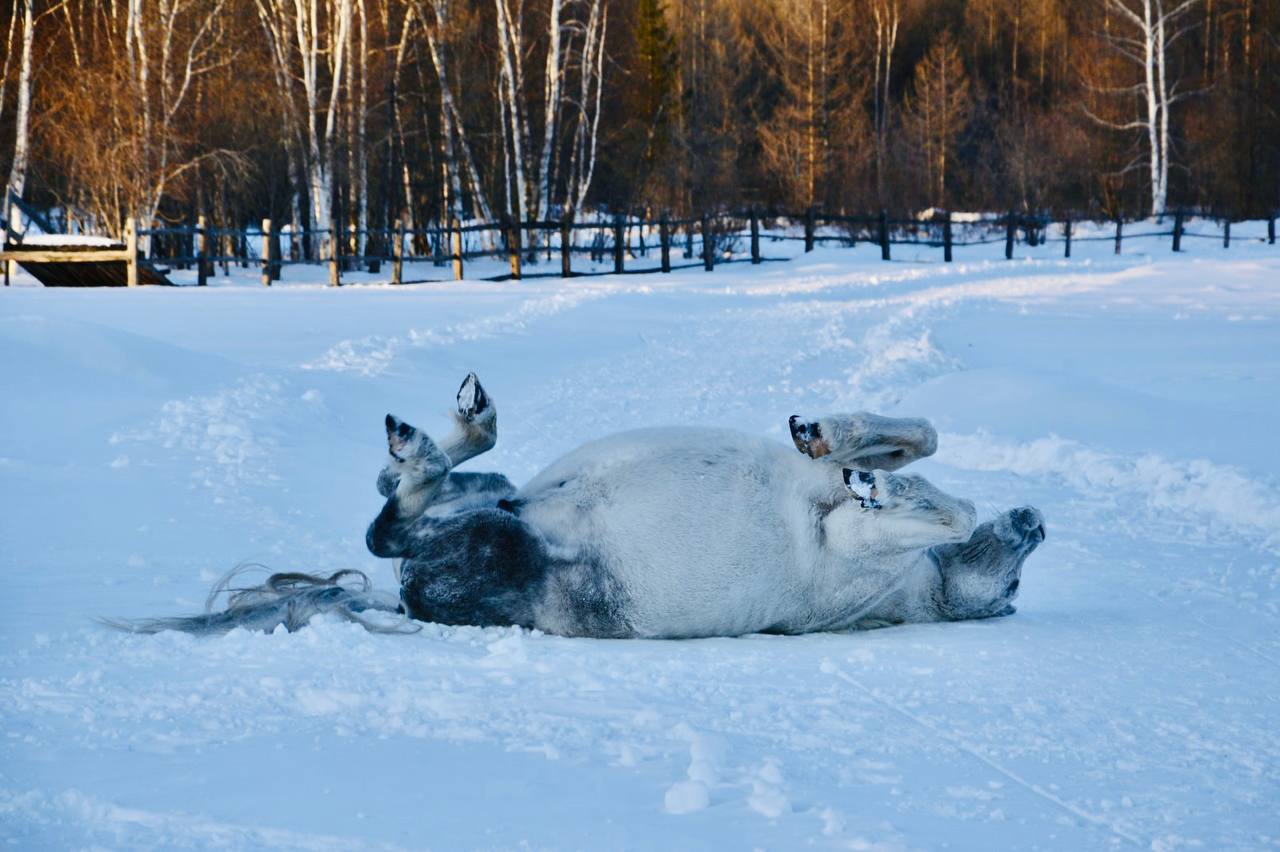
(371, 111)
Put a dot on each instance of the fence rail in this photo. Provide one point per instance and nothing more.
(622, 242)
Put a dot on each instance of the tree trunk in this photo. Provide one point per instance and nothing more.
(22, 120)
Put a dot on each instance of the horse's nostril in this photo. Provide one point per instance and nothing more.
(1013, 587)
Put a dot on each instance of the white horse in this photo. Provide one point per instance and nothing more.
(669, 533)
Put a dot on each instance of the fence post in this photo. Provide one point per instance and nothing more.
(946, 237)
(1226, 233)
(755, 234)
(808, 228)
(708, 244)
(455, 235)
(884, 235)
(513, 245)
(131, 248)
(617, 244)
(1066, 230)
(1271, 229)
(277, 259)
(267, 253)
(335, 241)
(1177, 230)
(664, 239)
(566, 245)
(1119, 230)
(202, 251)
(397, 253)
(372, 262)
(1010, 231)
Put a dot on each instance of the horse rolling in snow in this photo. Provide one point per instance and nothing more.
(668, 533)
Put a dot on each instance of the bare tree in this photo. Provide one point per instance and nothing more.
(937, 109)
(804, 51)
(1149, 29)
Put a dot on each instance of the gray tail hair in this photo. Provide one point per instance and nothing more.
(289, 598)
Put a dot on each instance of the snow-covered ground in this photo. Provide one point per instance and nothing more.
(151, 439)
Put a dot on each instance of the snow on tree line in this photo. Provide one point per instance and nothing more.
(367, 111)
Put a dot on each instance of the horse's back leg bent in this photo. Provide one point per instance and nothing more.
(475, 431)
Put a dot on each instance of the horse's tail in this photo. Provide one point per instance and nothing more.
(290, 599)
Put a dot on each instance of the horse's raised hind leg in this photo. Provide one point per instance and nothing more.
(412, 480)
(475, 431)
(864, 441)
(475, 423)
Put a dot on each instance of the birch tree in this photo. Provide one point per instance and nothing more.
(22, 132)
(1144, 33)
(886, 15)
(307, 39)
(456, 150)
(586, 108)
(531, 181)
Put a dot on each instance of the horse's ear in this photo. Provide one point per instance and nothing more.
(391, 423)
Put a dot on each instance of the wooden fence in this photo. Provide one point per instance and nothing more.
(626, 240)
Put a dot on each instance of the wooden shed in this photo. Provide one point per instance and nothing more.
(75, 261)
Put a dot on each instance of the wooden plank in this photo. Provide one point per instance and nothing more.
(43, 255)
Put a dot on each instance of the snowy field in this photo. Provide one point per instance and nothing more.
(152, 439)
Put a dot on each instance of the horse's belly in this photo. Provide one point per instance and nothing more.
(701, 528)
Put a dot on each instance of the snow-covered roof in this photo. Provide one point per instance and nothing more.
(67, 240)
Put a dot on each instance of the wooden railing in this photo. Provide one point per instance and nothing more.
(620, 243)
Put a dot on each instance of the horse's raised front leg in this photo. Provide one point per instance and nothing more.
(888, 512)
(864, 441)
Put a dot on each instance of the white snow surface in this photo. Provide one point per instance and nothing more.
(152, 439)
